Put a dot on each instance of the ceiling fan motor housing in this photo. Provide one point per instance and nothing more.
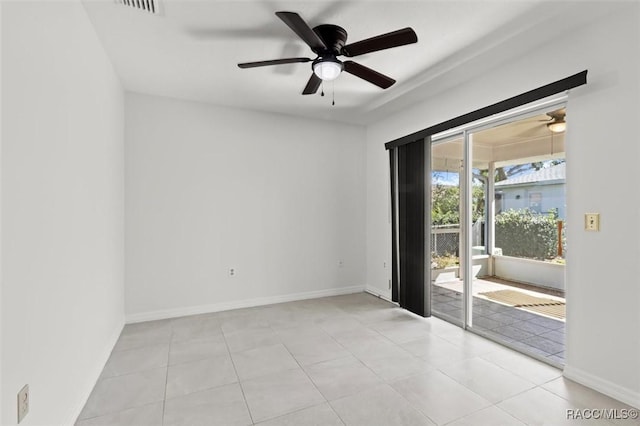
(334, 38)
(327, 66)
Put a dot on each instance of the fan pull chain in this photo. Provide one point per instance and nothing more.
(333, 94)
(322, 88)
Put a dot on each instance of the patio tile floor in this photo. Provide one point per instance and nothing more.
(526, 331)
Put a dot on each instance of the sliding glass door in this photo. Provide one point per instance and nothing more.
(447, 285)
(495, 238)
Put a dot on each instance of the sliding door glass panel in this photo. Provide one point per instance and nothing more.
(446, 235)
(517, 241)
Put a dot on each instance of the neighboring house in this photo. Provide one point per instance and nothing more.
(540, 191)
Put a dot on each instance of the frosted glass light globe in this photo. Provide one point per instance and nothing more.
(327, 70)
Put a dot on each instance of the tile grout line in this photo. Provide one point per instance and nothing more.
(101, 378)
(453, 379)
(384, 382)
(378, 334)
(514, 342)
(326, 401)
(409, 402)
(246, 403)
(166, 378)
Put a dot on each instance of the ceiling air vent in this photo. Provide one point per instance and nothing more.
(150, 6)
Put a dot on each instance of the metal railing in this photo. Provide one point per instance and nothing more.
(445, 239)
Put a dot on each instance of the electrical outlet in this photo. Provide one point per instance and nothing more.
(232, 272)
(592, 221)
(23, 403)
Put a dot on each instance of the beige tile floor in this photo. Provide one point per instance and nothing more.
(344, 360)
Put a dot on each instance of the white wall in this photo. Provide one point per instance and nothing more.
(63, 215)
(279, 199)
(1, 279)
(603, 347)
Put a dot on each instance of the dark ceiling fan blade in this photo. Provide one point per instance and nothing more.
(373, 77)
(303, 30)
(312, 85)
(273, 62)
(557, 114)
(381, 42)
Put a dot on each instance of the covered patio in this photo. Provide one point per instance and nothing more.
(517, 297)
(525, 330)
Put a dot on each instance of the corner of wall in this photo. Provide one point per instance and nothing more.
(238, 304)
(376, 292)
(603, 386)
(93, 376)
(1, 279)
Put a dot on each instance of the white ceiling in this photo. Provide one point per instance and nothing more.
(190, 50)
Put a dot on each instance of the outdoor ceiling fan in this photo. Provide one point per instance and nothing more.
(534, 127)
(556, 123)
(328, 42)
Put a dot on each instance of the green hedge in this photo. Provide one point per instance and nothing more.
(523, 233)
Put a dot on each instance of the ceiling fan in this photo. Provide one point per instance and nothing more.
(328, 42)
(556, 123)
(533, 128)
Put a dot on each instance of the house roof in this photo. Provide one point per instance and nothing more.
(553, 173)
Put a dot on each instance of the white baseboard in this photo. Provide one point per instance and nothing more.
(606, 387)
(92, 378)
(377, 293)
(238, 304)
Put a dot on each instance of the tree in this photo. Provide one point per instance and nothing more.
(445, 207)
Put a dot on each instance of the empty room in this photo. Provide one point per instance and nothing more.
(319, 212)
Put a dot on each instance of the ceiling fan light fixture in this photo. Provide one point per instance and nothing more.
(327, 69)
(329, 41)
(557, 126)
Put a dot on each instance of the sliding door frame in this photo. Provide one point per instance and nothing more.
(466, 259)
(466, 184)
(518, 107)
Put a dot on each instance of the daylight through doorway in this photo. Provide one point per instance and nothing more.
(497, 231)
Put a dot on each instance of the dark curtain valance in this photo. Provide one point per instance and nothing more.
(514, 102)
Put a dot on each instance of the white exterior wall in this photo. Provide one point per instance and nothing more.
(535, 272)
(553, 197)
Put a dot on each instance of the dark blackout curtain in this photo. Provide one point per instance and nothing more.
(408, 185)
